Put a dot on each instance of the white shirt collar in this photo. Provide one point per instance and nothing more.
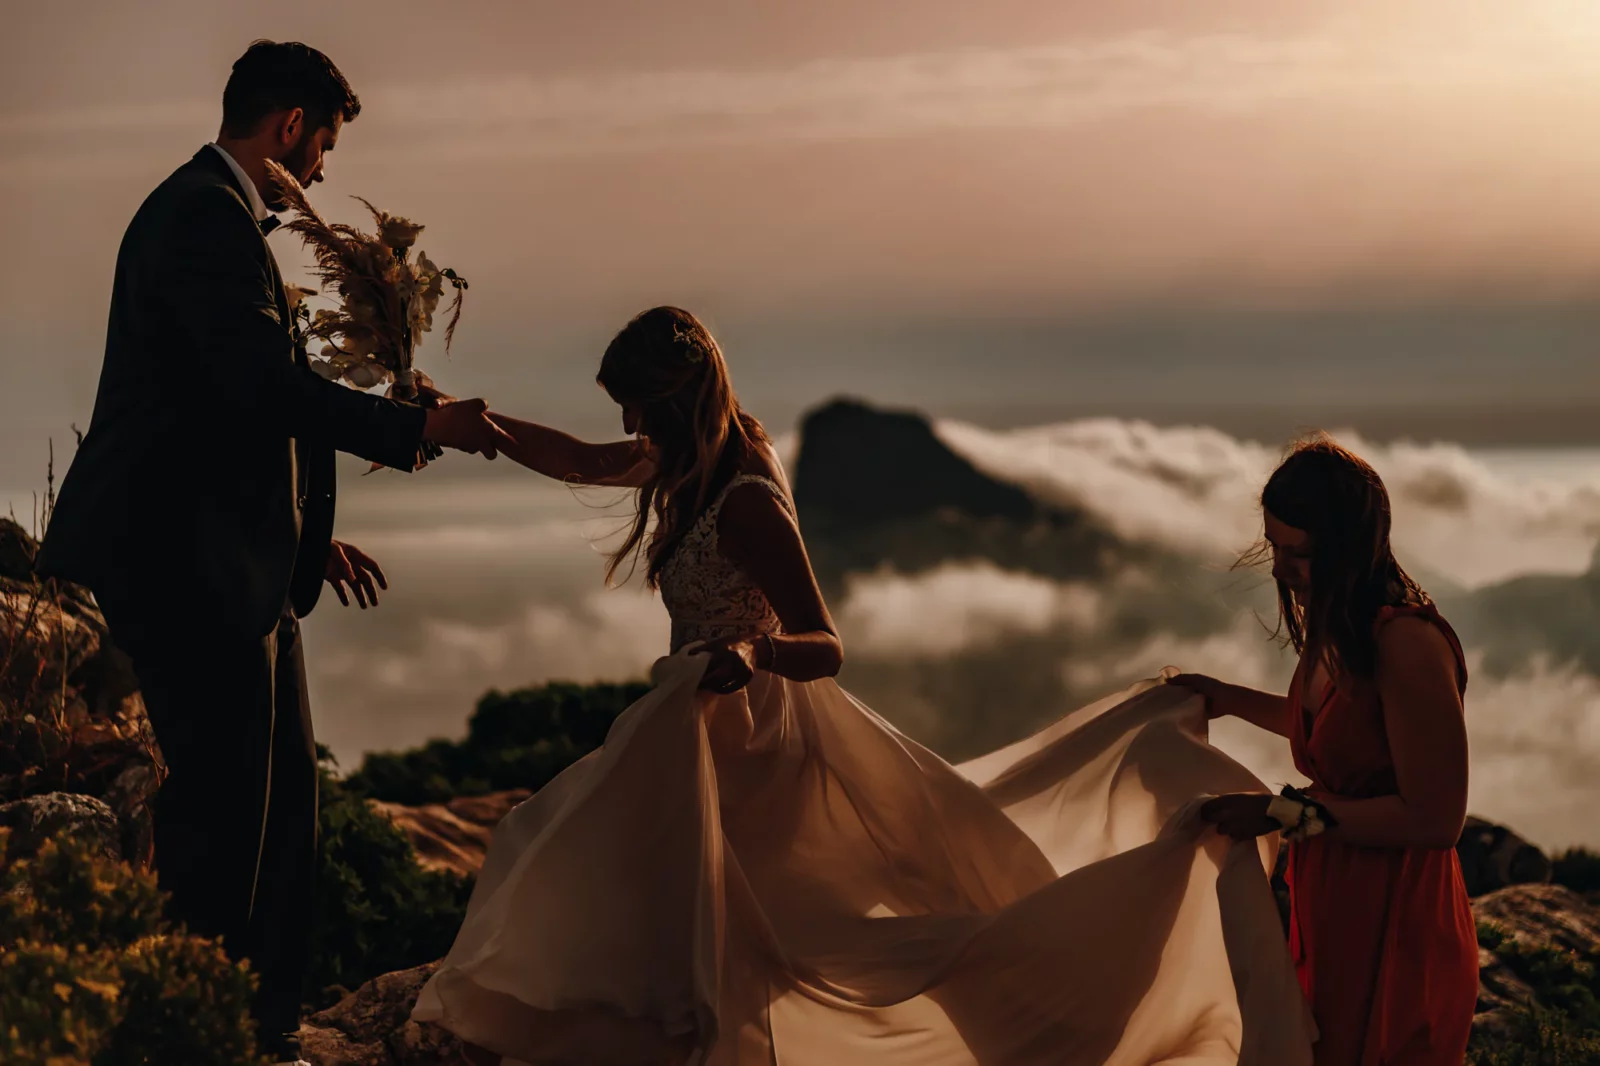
(258, 206)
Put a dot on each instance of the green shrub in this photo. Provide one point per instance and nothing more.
(1561, 1027)
(36, 749)
(1561, 980)
(1538, 1037)
(1577, 869)
(518, 739)
(59, 1005)
(90, 975)
(184, 998)
(378, 909)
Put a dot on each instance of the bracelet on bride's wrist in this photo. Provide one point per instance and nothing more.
(1299, 815)
(772, 653)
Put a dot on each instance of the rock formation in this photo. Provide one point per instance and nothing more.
(54, 815)
(453, 836)
(372, 1027)
(879, 487)
(1538, 916)
(1494, 857)
(71, 718)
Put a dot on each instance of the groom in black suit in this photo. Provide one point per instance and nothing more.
(199, 510)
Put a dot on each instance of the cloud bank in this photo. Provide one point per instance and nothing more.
(500, 587)
(1193, 489)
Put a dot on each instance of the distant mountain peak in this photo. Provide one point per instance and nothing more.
(878, 488)
(870, 465)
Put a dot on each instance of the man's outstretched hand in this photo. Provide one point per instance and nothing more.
(348, 564)
(428, 394)
(465, 426)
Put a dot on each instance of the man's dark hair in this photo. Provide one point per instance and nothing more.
(273, 76)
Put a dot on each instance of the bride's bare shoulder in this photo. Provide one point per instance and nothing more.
(764, 463)
(750, 507)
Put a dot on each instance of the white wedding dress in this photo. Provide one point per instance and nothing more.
(778, 876)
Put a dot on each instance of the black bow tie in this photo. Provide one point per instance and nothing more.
(270, 223)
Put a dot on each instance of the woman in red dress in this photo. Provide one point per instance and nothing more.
(1380, 927)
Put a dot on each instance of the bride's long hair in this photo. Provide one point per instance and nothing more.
(667, 362)
(1336, 497)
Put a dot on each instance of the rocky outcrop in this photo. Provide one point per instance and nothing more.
(877, 466)
(17, 550)
(71, 718)
(56, 815)
(1535, 916)
(372, 1027)
(877, 488)
(1495, 857)
(454, 836)
(1544, 914)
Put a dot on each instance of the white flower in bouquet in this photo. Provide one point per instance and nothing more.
(387, 297)
(429, 287)
(366, 375)
(397, 232)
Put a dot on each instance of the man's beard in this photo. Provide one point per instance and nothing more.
(294, 163)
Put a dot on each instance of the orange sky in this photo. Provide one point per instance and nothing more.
(912, 155)
(1261, 215)
(837, 163)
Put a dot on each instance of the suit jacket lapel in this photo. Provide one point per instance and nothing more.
(281, 295)
(209, 158)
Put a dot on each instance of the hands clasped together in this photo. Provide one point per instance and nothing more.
(463, 425)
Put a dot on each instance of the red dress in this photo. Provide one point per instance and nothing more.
(1383, 938)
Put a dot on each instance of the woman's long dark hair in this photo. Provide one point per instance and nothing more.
(1335, 497)
(667, 361)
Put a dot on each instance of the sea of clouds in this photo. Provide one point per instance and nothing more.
(498, 583)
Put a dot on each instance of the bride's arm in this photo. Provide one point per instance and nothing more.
(566, 458)
(757, 534)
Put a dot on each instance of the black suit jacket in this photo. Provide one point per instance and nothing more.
(204, 488)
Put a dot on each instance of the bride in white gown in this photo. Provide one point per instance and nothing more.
(756, 868)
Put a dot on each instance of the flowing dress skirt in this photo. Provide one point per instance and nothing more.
(779, 876)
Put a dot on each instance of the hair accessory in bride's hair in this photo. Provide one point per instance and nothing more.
(694, 352)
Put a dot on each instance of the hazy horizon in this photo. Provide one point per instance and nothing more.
(1165, 237)
(1241, 213)
(496, 582)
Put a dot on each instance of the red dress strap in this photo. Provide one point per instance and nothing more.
(1431, 613)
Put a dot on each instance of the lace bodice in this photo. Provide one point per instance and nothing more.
(707, 596)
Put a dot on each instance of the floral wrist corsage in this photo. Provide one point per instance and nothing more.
(1299, 814)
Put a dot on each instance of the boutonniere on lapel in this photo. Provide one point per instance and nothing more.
(387, 296)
